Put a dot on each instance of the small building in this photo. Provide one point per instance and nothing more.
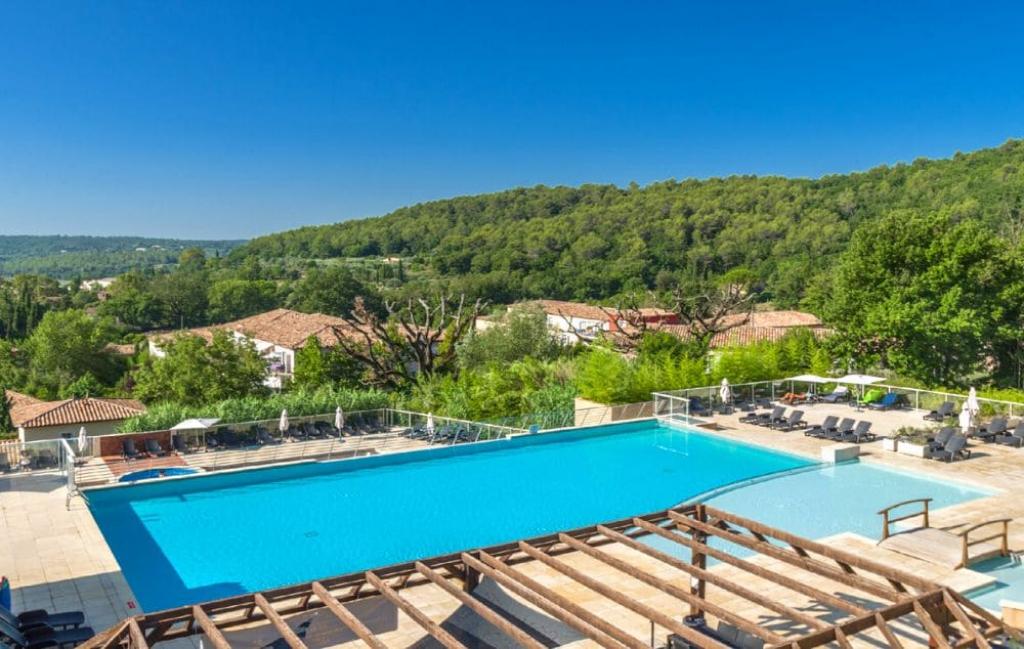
(276, 334)
(575, 321)
(757, 327)
(44, 420)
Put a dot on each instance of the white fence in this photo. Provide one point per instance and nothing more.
(706, 398)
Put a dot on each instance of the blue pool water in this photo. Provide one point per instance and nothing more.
(183, 541)
(1009, 575)
(149, 474)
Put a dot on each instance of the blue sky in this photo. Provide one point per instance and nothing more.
(224, 119)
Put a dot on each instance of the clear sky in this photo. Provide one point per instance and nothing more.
(231, 119)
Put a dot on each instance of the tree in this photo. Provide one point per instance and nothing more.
(419, 339)
(232, 299)
(6, 425)
(182, 296)
(923, 293)
(130, 302)
(310, 365)
(195, 372)
(332, 290)
(67, 345)
(520, 333)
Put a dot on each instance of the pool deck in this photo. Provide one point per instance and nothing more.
(58, 559)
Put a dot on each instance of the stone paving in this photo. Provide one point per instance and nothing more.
(57, 559)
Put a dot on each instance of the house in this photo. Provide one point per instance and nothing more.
(43, 420)
(575, 321)
(760, 326)
(277, 335)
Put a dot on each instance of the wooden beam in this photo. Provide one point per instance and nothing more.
(505, 626)
(135, 635)
(933, 629)
(210, 629)
(675, 591)
(575, 616)
(965, 622)
(809, 564)
(754, 569)
(346, 617)
(717, 580)
(880, 569)
(887, 633)
(287, 634)
(623, 600)
(850, 627)
(418, 616)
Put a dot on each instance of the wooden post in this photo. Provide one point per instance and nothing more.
(472, 578)
(699, 560)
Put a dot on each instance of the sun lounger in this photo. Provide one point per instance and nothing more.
(873, 396)
(819, 430)
(40, 637)
(153, 448)
(296, 433)
(941, 438)
(989, 431)
(180, 445)
(128, 450)
(794, 421)
(889, 401)
(955, 448)
(841, 393)
(264, 437)
(767, 419)
(942, 412)
(860, 433)
(845, 427)
(39, 617)
(311, 431)
(1012, 438)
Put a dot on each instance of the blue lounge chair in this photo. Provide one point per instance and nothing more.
(889, 401)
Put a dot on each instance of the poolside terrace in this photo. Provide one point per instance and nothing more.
(59, 559)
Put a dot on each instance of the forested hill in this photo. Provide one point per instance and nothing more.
(89, 257)
(597, 241)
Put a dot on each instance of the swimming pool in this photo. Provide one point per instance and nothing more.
(194, 539)
(149, 474)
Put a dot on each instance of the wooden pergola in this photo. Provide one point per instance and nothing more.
(765, 585)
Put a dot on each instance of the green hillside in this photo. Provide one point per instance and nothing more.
(597, 241)
(64, 257)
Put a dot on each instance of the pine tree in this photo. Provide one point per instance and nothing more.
(6, 425)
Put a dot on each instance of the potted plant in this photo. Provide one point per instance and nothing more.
(911, 440)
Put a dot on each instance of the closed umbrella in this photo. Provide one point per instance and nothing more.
(965, 418)
(282, 424)
(725, 392)
(972, 402)
(430, 423)
(339, 418)
(83, 441)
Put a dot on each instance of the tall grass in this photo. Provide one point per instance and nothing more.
(299, 403)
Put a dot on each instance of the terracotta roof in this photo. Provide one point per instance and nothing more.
(282, 327)
(775, 319)
(126, 349)
(74, 411)
(590, 312)
(745, 334)
(19, 400)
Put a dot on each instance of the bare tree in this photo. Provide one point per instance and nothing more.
(627, 330)
(420, 337)
(713, 311)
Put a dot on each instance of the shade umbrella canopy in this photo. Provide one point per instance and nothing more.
(282, 423)
(83, 441)
(858, 379)
(810, 378)
(965, 418)
(725, 392)
(972, 402)
(339, 418)
(195, 424)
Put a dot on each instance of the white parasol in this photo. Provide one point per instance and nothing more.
(282, 424)
(83, 441)
(339, 418)
(965, 418)
(725, 392)
(430, 423)
(972, 402)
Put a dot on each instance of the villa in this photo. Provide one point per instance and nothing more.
(709, 524)
(277, 335)
(38, 420)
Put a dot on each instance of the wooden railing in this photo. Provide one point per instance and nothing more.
(887, 518)
(1003, 536)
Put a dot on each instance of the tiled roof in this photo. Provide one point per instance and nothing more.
(590, 312)
(747, 334)
(282, 327)
(74, 411)
(775, 319)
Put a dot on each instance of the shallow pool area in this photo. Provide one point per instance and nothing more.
(1009, 585)
(200, 538)
(152, 474)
